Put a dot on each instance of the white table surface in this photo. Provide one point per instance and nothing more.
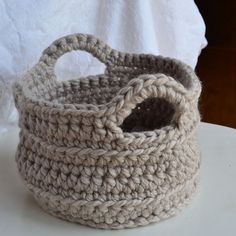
(212, 212)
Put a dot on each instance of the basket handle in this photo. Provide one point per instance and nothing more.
(84, 42)
(156, 86)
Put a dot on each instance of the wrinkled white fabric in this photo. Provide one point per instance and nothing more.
(164, 27)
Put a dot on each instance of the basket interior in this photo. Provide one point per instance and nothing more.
(151, 114)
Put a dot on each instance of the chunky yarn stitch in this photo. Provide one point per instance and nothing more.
(117, 150)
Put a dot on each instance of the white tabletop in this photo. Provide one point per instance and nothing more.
(212, 212)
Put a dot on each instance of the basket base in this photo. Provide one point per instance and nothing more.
(119, 214)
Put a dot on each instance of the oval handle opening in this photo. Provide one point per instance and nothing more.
(151, 114)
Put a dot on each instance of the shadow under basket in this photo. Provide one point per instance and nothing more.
(112, 151)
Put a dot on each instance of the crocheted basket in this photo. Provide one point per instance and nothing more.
(116, 150)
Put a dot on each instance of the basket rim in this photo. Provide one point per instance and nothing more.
(71, 110)
(88, 107)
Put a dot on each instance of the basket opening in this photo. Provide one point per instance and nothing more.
(175, 69)
(151, 114)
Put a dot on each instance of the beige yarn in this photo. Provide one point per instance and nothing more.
(117, 150)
